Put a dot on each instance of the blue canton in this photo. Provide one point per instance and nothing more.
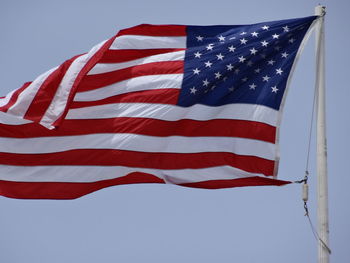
(240, 64)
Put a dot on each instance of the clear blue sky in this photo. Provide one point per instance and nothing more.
(165, 223)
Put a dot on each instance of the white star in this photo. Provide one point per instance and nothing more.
(271, 62)
(243, 33)
(263, 55)
(197, 54)
(213, 87)
(196, 71)
(252, 86)
(231, 89)
(225, 78)
(249, 63)
(229, 67)
(275, 36)
(264, 43)
(221, 38)
(265, 27)
(284, 55)
(210, 46)
(274, 89)
(220, 56)
(253, 51)
(291, 40)
(208, 64)
(254, 34)
(231, 48)
(257, 70)
(199, 38)
(285, 29)
(241, 59)
(237, 71)
(217, 75)
(279, 71)
(205, 82)
(244, 79)
(243, 41)
(266, 78)
(193, 90)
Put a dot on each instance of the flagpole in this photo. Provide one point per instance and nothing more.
(322, 184)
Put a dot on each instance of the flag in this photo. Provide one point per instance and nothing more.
(196, 106)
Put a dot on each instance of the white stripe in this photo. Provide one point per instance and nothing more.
(164, 81)
(4, 101)
(147, 42)
(8, 119)
(26, 97)
(59, 101)
(109, 67)
(98, 173)
(142, 143)
(249, 112)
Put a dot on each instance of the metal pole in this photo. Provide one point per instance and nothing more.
(322, 184)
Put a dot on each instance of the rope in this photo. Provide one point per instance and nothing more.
(313, 229)
(306, 177)
(314, 232)
(311, 129)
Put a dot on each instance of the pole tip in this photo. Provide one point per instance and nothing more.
(320, 10)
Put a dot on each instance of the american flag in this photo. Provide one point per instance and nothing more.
(197, 106)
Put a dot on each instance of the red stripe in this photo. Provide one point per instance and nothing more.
(250, 181)
(106, 157)
(14, 97)
(87, 67)
(163, 96)
(91, 82)
(145, 126)
(48, 190)
(154, 30)
(119, 56)
(47, 91)
(56, 190)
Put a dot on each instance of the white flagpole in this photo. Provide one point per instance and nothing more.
(322, 184)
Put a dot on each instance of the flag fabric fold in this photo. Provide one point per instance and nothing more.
(197, 106)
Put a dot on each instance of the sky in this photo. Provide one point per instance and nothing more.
(167, 223)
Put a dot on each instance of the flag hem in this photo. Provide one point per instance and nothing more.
(280, 112)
